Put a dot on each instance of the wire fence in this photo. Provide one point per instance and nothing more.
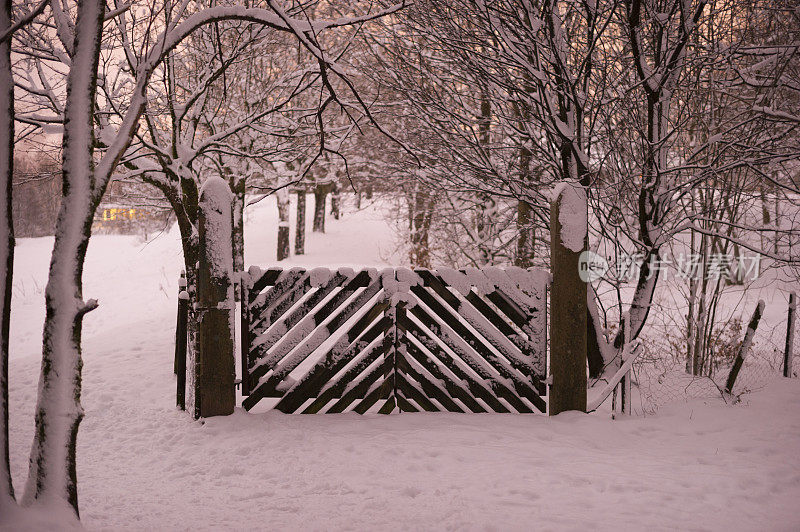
(660, 374)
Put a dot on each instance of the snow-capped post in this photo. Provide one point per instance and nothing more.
(790, 325)
(214, 369)
(181, 341)
(745, 347)
(568, 239)
(181, 304)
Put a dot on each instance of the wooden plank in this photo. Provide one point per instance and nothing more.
(305, 348)
(335, 360)
(476, 346)
(260, 303)
(267, 279)
(289, 289)
(455, 390)
(296, 335)
(407, 391)
(350, 380)
(404, 406)
(181, 342)
(246, 337)
(429, 388)
(274, 334)
(515, 356)
(477, 388)
(359, 391)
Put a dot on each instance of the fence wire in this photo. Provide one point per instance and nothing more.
(660, 375)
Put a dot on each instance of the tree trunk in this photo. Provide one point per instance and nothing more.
(52, 476)
(526, 236)
(300, 233)
(320, 195)
(238, 225)
(487, 207)
(6, 242)
(282, 197)
(336, 203)
(421, 205)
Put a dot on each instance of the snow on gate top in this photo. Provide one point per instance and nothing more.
(521, 285)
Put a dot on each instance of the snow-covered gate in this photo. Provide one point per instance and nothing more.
(324, 340)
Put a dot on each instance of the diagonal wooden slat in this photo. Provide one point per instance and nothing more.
(282, 284)
(429, 388)
(268, 278)
(322, 333)
(334, 361)
(296, 335)
(406, 390)
(430, 348)
(455, 390)
(350, 380)
(478, 387)
(476, 319)
(270, 337)
(467, 345)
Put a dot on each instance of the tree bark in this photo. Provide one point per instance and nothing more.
(320, 195)
(336, 203)
(526, 236)
(238, 225)
(421, 204)
(283, 224)
(6, 242)
(52, 475)
(300, 233)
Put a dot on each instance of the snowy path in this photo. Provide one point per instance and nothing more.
(142, 465)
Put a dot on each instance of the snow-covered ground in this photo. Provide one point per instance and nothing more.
(143, 465)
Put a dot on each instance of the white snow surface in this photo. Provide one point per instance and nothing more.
(144, 465)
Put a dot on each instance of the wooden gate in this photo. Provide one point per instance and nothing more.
(324, 340)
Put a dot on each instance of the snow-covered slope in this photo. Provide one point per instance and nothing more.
(143, 465)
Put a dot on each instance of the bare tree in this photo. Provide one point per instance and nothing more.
(88, 162)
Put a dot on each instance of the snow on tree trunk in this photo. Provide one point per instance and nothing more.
(300, 233)
(52, 479)
(282, 197)
(6, 243)
(320, 196)
(214, 365)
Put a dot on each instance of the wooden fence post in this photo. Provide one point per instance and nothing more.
(568, 342)
(790, 325)
(244, 287)
(745, 347)
(621, 401)
(181, 289)
(181, 340)
(215, 372)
